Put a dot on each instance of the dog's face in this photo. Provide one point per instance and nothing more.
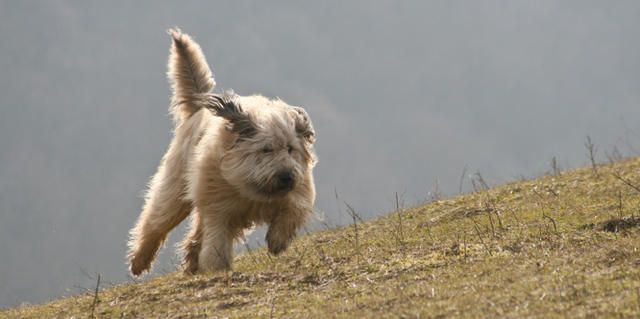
(271, 149)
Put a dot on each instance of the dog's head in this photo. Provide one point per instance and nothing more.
(271, 150)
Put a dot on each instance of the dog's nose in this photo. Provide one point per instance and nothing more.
(285, 180)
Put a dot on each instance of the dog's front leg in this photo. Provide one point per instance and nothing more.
(216, 252)
(283, 228)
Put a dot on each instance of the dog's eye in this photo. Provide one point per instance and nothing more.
(290, 149)
(267, 149)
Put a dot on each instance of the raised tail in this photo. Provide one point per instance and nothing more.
(189, 75)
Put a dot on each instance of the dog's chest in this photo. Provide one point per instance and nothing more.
(259, 213)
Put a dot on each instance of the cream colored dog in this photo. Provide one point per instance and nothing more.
(234, 161)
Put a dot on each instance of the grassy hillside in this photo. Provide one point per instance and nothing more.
(562, 245)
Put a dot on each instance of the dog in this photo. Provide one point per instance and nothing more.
(234, 162)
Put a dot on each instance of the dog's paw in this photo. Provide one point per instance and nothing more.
(277, 244)
(277, 248)
(190, 264)
(139, 264)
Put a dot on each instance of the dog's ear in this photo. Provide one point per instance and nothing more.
(227, 107)
(304, 127)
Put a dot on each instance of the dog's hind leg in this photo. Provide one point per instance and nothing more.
(164, 209)
(191, 245)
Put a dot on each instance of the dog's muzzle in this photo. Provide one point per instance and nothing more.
(284, 181)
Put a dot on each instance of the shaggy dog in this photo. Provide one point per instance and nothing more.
(234, 161)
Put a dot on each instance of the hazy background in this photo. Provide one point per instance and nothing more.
(403, 95)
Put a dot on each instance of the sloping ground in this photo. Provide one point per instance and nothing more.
(558, 246)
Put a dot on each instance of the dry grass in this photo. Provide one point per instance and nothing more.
(560, 246)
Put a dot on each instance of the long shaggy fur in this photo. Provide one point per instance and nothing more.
(188, 73)
(234, 161)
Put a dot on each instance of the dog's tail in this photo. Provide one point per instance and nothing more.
(188, 73)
